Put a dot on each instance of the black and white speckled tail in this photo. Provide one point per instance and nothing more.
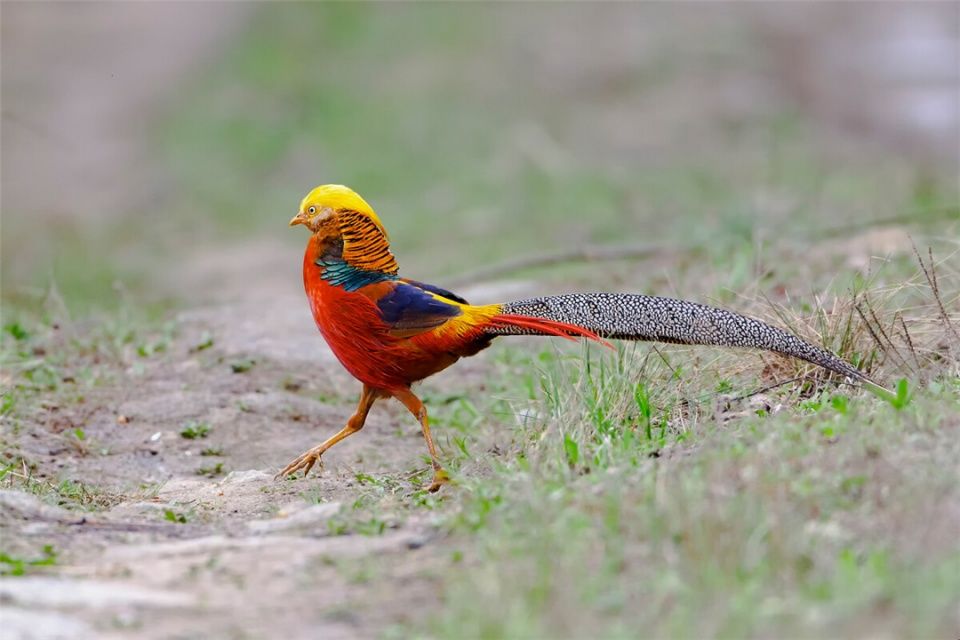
(625, 316)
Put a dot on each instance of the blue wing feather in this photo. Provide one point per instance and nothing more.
(409, 308)
(432, 288)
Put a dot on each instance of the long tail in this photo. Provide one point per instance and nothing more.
(625, 316)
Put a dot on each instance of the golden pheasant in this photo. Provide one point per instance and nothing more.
(390, 332)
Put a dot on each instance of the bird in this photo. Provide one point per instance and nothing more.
(390, 332)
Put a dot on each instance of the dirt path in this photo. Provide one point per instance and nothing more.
(82, 128)
(164, 535)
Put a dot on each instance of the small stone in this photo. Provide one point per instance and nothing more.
(310, 516)
(239, 477)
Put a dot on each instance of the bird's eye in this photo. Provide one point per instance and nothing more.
(312, 209)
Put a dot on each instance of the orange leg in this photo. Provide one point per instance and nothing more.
(415, 406)
(306, 461)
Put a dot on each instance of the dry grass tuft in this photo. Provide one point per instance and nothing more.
(902, 330)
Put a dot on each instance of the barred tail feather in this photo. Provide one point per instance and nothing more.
(627, 316)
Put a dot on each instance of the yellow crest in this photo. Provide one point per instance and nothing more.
(337, 197)
(365, 242)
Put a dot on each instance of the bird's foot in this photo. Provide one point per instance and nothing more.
(440, 478)
(303, 462)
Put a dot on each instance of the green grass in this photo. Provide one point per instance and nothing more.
(619, 509)
(53, 361)
(17, 473)
(175, 516)
(51, 340)
(18, 566)
(213, 471)
(195, 430)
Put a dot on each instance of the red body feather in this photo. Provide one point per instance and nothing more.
(370, 349)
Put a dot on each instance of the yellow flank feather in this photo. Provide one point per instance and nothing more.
(472, 318)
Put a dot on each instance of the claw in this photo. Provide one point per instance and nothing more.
(440, 478)
(305, 462)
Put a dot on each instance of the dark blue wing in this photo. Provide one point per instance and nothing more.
(410, 309)
(435, 289)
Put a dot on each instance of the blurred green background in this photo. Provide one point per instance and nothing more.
(140, 136)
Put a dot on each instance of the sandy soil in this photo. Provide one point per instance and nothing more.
(80, 86)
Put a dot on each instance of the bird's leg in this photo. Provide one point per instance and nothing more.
(354, 424)
(415, 406)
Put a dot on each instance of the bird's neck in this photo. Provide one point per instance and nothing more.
(338, 261)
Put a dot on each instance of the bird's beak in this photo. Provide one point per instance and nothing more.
(298, 219)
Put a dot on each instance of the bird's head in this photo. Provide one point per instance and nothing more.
(345, 228)
(326, 202)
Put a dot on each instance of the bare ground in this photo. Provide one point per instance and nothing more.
(124, 567)
(250, 534)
